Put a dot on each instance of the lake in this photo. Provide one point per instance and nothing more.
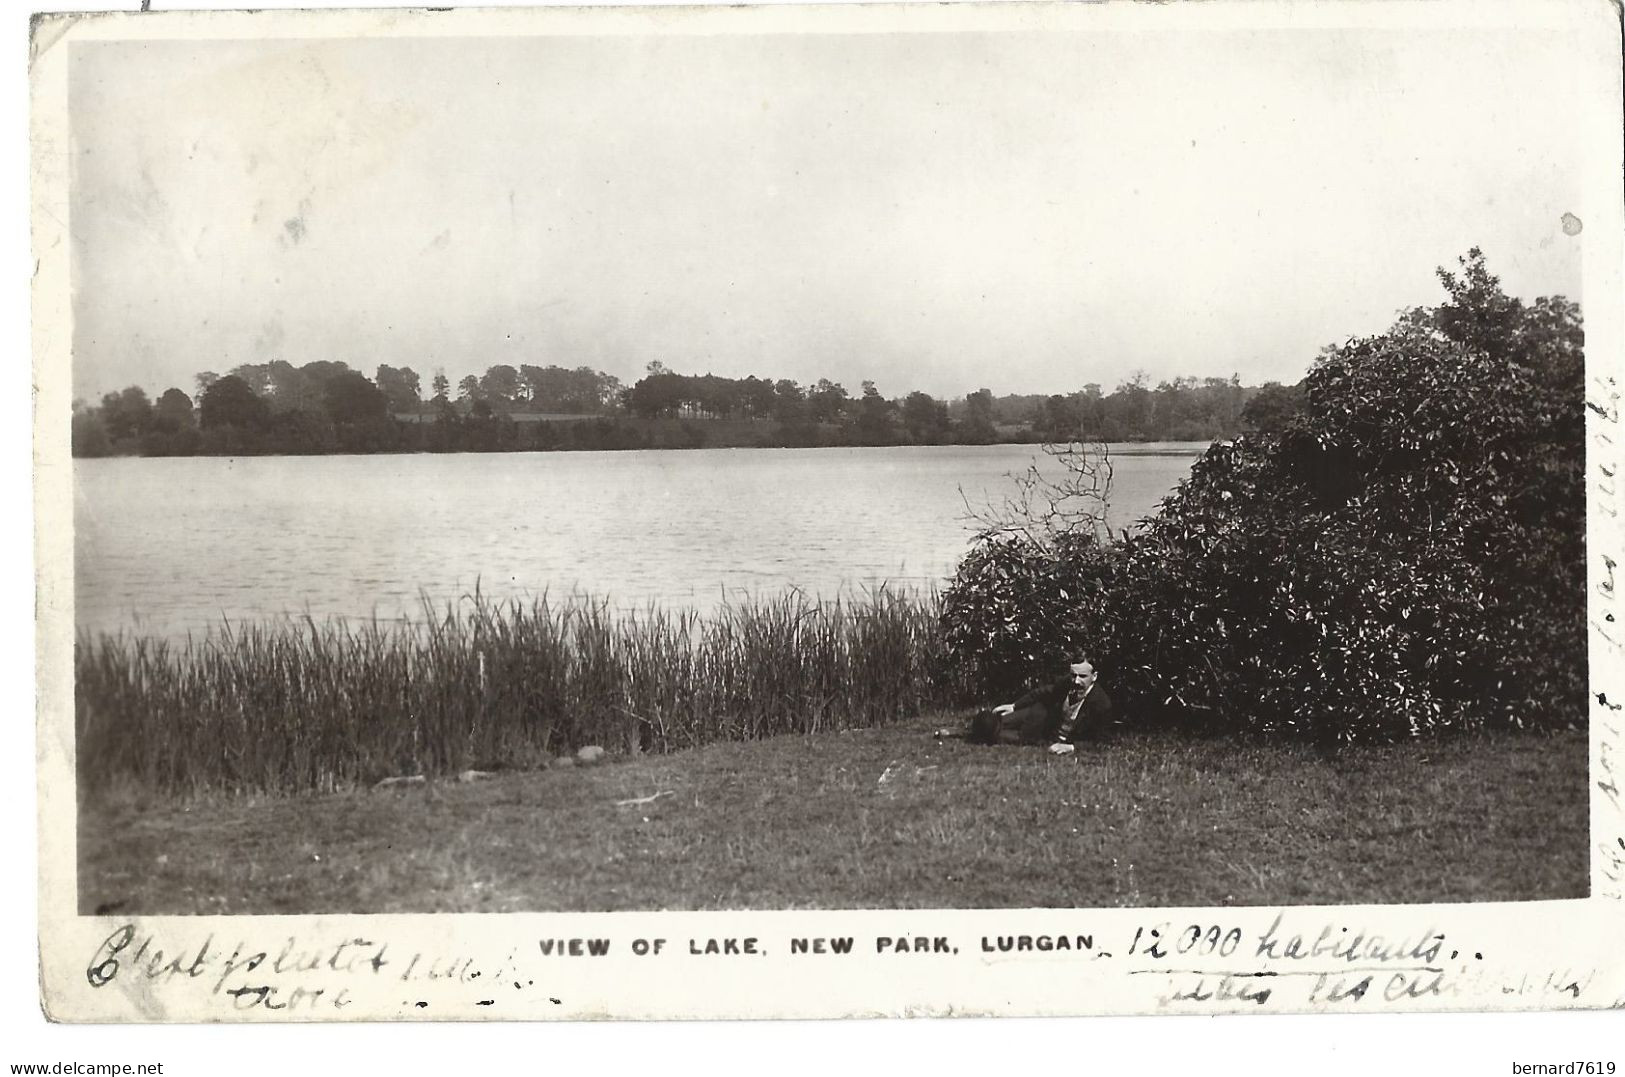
(167, 547)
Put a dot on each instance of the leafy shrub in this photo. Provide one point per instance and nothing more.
(1404, 557)
(1018, 609)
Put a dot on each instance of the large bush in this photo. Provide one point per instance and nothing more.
(1019, 608)
(1404, 557)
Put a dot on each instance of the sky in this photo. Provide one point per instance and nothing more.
(1027, 212)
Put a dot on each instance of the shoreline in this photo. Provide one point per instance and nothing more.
(1125, 448)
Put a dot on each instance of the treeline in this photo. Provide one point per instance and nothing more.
(326, 407)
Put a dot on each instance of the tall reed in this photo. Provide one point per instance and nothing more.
(306, 706)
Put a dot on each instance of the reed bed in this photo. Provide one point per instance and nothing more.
(293, 707)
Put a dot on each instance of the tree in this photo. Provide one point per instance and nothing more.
(289, 389)
(350, 398)
(875, 416)
(925, 418)
(582, 391)
(1479, 314)
(542, 386)
(1130, 411)
(826, 401)
(445, 412)
(257, 376)
(229, 402)
(173, 411)
(659, 394)
(978, 428)
(789, 402)
(126, 414)
(89, 434)
(756, 397)
(469, 388)
(717, 397)
(609, 391)
(500, 384)
(400, 387)
(314, 377)
(1058, 420)
(204, 379)
(1273, 407)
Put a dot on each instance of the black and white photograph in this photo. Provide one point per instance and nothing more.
(868, 465)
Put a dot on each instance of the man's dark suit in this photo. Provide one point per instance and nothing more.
(1040, 717)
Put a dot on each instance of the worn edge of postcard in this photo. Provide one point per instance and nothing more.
(1514, 956)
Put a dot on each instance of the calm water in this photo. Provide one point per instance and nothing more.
(171, 546)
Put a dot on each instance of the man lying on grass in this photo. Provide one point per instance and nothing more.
(1053, 713)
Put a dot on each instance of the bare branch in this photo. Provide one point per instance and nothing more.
(1042, 508)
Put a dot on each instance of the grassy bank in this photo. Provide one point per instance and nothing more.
(327, 707)
(883, 818)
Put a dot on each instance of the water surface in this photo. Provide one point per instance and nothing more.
(175, 546)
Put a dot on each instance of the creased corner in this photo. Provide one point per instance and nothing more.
(47, 28)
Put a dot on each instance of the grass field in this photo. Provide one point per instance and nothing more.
(884, 818)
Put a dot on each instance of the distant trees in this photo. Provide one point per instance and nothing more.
(979, 428)
(1188, 409)
(655, 395)
(230, 401)
(286, 388)
(557, 390)
(126, 421)
(1128, 414)
(350, 398)
(876, 417)
(1059, 420)
(325, 406)
(1273, 407)
(757, 398)
(1179, 409)
(257, 376)
(500, 385)
(925, 419)
(313, 377)
(126, 414)
(789, 402)
(663, 394)
(88, 432)
(826, 401)
(173, 412)
(399, 386)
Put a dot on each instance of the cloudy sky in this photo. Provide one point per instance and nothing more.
(1024, 211)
